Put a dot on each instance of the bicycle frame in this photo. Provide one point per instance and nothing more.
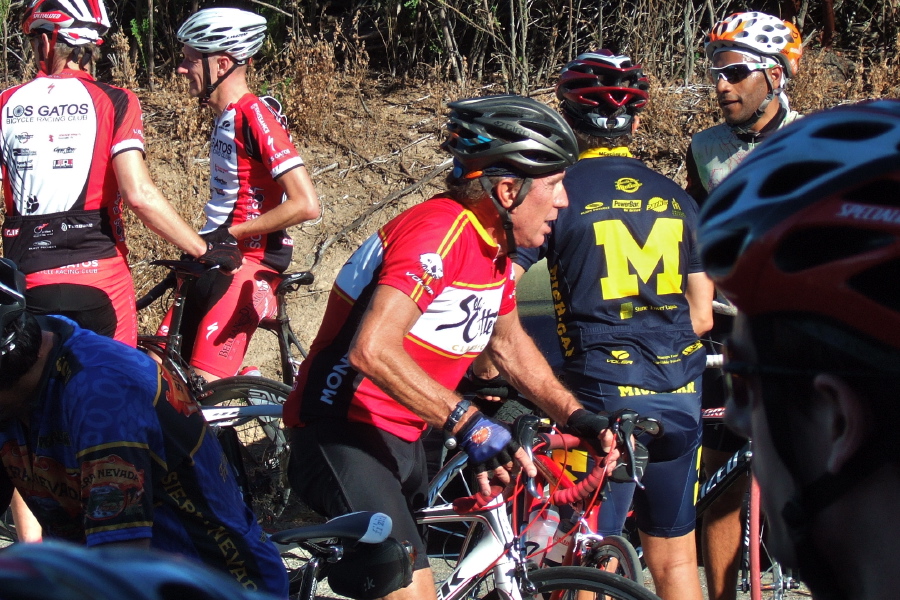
(496, 547)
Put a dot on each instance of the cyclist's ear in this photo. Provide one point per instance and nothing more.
(843, 417)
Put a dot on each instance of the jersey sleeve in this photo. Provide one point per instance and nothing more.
(415, 261)
(276, 150)
(129, 123)
(117, 439)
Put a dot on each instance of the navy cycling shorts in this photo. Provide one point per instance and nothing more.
(338, 467)
(665, 508)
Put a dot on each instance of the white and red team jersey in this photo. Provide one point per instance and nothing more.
(249, 148)
(58, 136)
(442, 258)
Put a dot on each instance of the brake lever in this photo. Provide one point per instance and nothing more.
(524, 431)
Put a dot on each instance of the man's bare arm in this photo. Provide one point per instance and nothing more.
(517, 357)
(301, 204)
(377, 352)
(144, 198)
(700, 293)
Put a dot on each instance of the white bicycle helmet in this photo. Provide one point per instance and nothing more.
(759, 33)
(78, 22)
(238, 33)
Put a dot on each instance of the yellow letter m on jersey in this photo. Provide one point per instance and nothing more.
(622, 249)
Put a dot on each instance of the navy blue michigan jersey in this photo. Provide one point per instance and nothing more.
(619, 258)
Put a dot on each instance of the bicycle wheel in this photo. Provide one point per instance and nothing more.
(615, 554)
(584, 583)
(256, 447)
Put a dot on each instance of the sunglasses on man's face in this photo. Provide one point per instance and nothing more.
(737, 72)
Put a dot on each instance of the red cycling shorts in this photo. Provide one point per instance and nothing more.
(217, 328)
(96, 294)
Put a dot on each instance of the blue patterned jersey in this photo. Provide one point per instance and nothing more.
(619, 257)
(115, 449)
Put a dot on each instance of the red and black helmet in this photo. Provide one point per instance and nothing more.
(601, 93)
(810, 222)
(76, 21)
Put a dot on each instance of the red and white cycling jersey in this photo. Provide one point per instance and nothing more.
(249, 148)
(442, 258)
(58, 136)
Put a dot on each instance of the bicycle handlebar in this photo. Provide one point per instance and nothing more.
(624, 424)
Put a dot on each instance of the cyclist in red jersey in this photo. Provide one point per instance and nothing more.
(71, 158)
(71, 153)
(413, 307)
(259, 186)
(804, 238)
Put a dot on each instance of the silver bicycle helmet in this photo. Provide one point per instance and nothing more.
(238, 33)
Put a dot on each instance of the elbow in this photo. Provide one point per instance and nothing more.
(312, 211)
(362, 357)
(703, 324)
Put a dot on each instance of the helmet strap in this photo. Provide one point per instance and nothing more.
(505, 219)
(208, 86)
(745, 127)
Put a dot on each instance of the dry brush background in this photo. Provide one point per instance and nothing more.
(365, 84)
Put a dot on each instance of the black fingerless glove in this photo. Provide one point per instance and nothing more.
(588, 425)
(222, 250)
(473, 384)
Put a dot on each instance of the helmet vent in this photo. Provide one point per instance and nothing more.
(791, 177)
(852, 132)
(880, 284)
(720, 256)
(725, 202)
(813, 247)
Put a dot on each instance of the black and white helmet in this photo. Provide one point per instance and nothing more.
(238, 33)
(518, 134)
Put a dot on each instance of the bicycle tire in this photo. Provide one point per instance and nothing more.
(256, 447)
(628, 563)
(582, 583)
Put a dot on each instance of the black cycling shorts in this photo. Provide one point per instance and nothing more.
(88, 306)
(338, 467)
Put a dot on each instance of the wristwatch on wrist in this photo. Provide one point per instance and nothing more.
(457, 414)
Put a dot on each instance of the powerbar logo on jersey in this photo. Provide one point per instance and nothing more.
(45, 113)
(628, 205)
(63, 163)
(259, 117)
(629, 185)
